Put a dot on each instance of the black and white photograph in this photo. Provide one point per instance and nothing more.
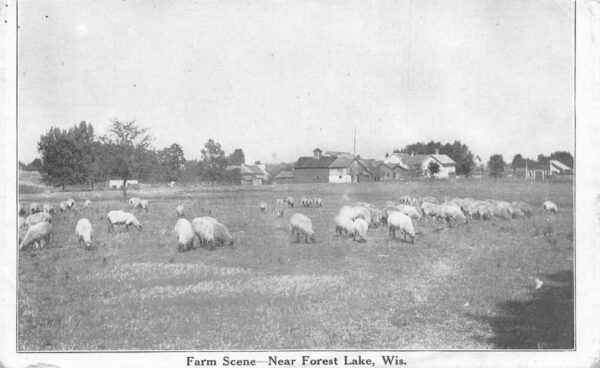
(333, 182)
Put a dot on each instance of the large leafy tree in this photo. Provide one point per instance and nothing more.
(433, 168)
(237, 157)
(213, 161)
(66, 155)
(517, 161)
(496, 165)
(126, 151)
(457, 151)
(171, 160)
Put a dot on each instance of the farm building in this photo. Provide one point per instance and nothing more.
(417, 165)
(542, 170)
(330, 169)
(284, 177)
(251, 174)
(118, 183)
(390, 172)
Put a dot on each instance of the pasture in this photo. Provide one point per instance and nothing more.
(457, 287)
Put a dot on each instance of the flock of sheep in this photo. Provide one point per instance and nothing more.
(352, 220)
(37, 227)
(355, 220)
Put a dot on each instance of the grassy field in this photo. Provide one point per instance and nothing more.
(462, 287)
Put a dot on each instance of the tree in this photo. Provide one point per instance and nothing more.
(171, 160)
(237, 157)
(66, 156)
(433, 168)
(564, 157)
(517, 161)
(126, 149)
(213, 161)
(496, 165)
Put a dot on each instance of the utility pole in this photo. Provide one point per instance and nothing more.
(354, 153)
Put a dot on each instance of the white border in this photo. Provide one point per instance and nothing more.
(587, 239)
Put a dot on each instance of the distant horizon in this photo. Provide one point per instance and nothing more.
(280, 78)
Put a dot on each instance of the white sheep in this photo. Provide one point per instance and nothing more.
(429, 199)
(205, 230)
(143, 205)
(122, 218)
(550, 206)
(304, 202)
(71, 203)
(301, 225)
(386, 212)
(409, 211)
(397, 221)
(222, 235)
(290, 202)
(84, 232)
(87, 203)
(263, 206)
(134, 202)
(36, 218)
(429, 209)
(185, 234)
(523, 207)
(279, 211)
(180, 210)
(279, 202)
(452, 212)
(35, 207)
(343, 224)
(318, 202)
(48, 208)
(38, 234)
(360, 229)
(63, 206)
(405, 199)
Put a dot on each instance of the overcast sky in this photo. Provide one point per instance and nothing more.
(281, 77)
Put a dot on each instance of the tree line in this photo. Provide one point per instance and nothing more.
(77, 156)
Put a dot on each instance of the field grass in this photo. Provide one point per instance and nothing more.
(462, 287)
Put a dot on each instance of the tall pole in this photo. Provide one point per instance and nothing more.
(354, 142)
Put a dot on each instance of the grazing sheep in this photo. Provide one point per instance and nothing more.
(360, 229)
(87, 203)
(523, 207)
(279, 211)
(122, 218)
(180, 210)
(143, 205)
(414, 202)
(386, 212)
(360, 212)
(290, 202)
(204, 228)
(390, 204)
(222, 235)
(300, 224)
(484, 211)
(84, 232)
(550, 206)
(185, 234)
(63, 206)
(405, 199)
(36, 218)
(304, 202)
(71, 203)
(48, 208)
(397, 221)
(279, 203)
(452, 212)
(134, 202)
(343, 224)
(38, 234)
(430, 200)
(409, 211)
(35, 208)
(429, 209)
(318, 202)
(263, 206)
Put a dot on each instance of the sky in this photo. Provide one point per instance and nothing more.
(279, 78)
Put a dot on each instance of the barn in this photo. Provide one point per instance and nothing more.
(331, 169)
(284, 177)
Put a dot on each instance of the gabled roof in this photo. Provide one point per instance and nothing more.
(415, 160)
(312, 163)
(341, 162)
(285, 175)
(444, 160)
(559, 165)
(247, 169)
(369, 163)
